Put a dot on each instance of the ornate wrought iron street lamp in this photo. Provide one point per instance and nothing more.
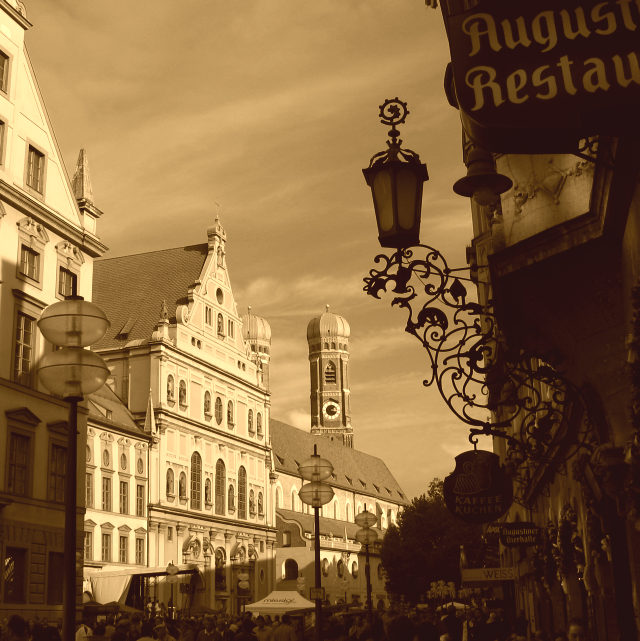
(71, 372)
(316, 493)
(396, 177)
(367, 537)
(484, 383)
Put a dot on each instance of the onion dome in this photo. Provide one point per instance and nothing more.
(255, 328)
(328, 325)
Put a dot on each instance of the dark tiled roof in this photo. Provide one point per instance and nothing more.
(106, 399)
(328, 527)
(130, 289)
(291, 444)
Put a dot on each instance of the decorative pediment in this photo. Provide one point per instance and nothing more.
(89, 524)
(59, 427)
(22, 415)
(69, 253)
(140, 530)
(106, 436)
(107, 526)
(29, 228)
(124, 528)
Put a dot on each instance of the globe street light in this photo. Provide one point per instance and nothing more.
(366, 536)
(71, 372)
(316, 494)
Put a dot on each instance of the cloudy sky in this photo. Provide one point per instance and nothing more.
(266, 111)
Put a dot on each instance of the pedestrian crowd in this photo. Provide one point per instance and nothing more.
(471, 624)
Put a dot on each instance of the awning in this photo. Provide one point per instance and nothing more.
(112, 585)
(279, 602)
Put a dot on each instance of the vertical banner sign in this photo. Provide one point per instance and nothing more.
(564, 67)
(478, 490)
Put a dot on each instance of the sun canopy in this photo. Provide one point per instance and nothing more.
(280, 602)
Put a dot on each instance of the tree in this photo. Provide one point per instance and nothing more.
(424, 546)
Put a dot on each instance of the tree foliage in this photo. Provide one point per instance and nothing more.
(424, 546)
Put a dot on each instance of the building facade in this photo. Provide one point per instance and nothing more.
(195, 372)
(559, 260)
(47, 243)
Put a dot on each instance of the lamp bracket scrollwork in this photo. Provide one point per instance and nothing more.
(495, 390)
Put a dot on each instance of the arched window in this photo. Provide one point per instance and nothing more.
(242, 493)
(330, 375)
(231, 499)
(170, 483)
(293, 499)
(260, 504)
(348, 512)
(196, 481)
(290, 570)
(252, 503)
(207, 492)
(278, 498)
(230, 422)
(354, 569)
(250, 422)
(207, 403)
(380, 571)
(335, 509)
(220, 325)
(221, 578)
(218, 410)
(325, 567)
(221, 482)
(171, 390)
(259, 424)
(182, 394)
(182, 485)
(340, 568)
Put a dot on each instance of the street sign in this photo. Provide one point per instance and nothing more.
(480, 575)
(514, 534)
(316, 593)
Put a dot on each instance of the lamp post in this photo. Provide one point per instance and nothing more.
(71, 372)
(315, 470)
(366, 536)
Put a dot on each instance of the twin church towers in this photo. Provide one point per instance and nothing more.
(328, 339)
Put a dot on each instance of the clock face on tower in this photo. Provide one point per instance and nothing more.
(331, 410)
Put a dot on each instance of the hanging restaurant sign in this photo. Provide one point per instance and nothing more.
(523, 533)
(478, 490)
(535, 75)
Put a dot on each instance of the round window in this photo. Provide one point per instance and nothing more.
(106, 459)
(219, 296)
(88, 454)
(123, 461)
(140, 466)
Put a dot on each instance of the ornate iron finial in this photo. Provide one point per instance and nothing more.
(393, 111)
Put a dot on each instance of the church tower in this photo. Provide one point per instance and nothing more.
(328, 338)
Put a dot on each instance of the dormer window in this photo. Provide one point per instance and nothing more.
(35, 169)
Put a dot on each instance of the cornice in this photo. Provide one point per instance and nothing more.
(16, 15)
(48, 217)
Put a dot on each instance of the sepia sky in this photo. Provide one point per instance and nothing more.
(266, 112)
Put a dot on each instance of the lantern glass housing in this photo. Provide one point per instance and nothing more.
(365, 519)
(315, 494)
(315, 469)
(396, 188)
(74, 322)
(366, 536)
(72, 372)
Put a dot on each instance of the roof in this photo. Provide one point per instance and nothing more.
(105, 399)
(328, 324)
(328, 527)
(353, 470)
(131, 289)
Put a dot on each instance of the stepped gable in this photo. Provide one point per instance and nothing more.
(334, 527)
(292, 446)
(106, 399)
(131, 290)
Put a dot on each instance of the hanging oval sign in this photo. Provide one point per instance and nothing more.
(478, 490)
